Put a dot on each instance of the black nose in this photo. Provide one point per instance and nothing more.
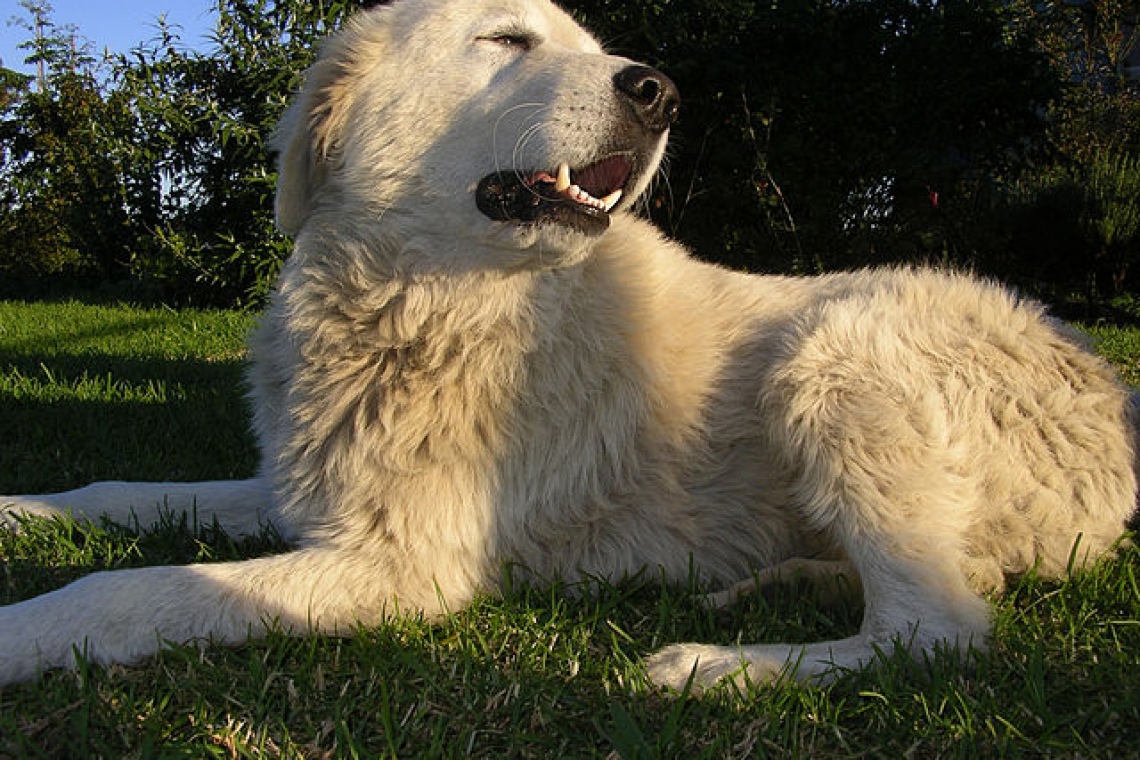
(653, 95)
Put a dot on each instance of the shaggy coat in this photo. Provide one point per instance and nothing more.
(466, 363)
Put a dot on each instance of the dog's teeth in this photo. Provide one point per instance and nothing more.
(563, 185)
(563, 181)
(611, 200)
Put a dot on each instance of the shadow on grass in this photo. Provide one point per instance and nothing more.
(542, 672)
(72, 418)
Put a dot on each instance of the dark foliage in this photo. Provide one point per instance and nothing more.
(815, 135)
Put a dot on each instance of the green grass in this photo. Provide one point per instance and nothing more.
(91, 392)
(1120, 346)
(104, 392)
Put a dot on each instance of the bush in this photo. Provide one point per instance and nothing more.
(814, 135)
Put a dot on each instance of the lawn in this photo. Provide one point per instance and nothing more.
(114, 392)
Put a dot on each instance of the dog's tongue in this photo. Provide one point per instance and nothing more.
(510, 198)
(591, 177)
(604, 179)
(580, 200)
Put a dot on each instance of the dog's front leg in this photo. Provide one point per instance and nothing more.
(240, 507)
(123, 616)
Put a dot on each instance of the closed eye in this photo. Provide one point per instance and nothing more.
(517, 41)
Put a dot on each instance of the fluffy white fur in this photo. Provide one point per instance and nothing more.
(437, 393)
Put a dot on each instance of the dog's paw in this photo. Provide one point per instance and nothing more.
(697, 668)
(12, 508)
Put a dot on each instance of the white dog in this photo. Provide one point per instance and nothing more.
(477, 355)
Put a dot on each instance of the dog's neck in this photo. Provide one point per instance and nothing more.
(462, 363)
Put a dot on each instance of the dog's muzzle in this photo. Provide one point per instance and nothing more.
(582, 198)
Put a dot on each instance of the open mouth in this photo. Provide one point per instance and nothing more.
(581, 199)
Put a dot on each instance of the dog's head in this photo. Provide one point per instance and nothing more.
(496, 122)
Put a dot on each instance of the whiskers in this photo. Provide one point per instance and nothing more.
(661, 179)
(534, 122)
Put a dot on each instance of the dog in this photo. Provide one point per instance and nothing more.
(478, 354)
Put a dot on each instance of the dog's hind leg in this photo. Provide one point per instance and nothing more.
(833, 579)
(240, 507)
(916, 593)
(918, 605)
(879, 473)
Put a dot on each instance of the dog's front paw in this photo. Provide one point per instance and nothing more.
(12, 508)
(22, 654)
(696, 668)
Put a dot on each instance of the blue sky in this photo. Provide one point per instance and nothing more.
(116, 24)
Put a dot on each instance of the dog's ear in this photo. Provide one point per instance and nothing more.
(308, 138)
(294, 159)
